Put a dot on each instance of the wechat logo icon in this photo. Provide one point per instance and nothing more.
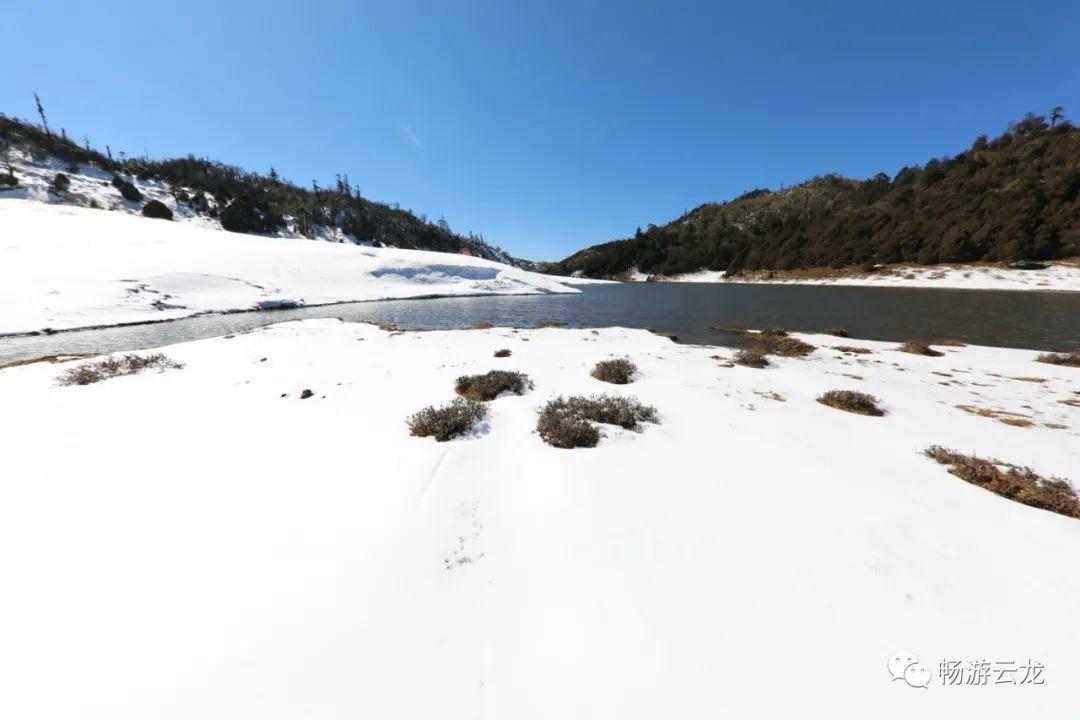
(905, 666)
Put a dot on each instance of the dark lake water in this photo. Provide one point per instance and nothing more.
(1036, 320)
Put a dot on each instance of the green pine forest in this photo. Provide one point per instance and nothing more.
(1010, 198)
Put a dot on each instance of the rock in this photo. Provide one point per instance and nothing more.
(127, 189)
(157, 209)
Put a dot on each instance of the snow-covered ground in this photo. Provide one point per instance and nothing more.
(203, 543)
(64, 267)
(1061, 276)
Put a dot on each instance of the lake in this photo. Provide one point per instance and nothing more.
(1036, 320)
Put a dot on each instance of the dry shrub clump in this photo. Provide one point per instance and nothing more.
(505, 352)
(454, 419)
(619, 371)
(852, 401)
(568, 422)
(918, 347)
(110, 367)
(1066, 359)
(492, 384)
(777, 342)
(1021, 484)
(785, 345)
(853, 350)
(751, 357)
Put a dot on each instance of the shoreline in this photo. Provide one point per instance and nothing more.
(1057, 276)
(68, 267)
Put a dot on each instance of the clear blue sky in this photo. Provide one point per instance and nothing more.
(547, 126)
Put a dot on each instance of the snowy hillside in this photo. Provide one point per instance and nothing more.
(91, 187)
(65, 267)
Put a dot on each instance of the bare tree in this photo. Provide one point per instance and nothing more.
(41, 112)
(5, 146)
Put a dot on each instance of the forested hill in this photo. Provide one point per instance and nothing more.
(1010, 198)
(241, 201)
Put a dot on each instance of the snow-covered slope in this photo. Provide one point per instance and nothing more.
(91, 187)
(202, 543)
(65, 267)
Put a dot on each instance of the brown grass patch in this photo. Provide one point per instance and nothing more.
(454, 419)
(505, 352)
(852, 350)
(1021, 484)
(492, 384)
(619, 371)
(1062, 359)
(852, 401)
(751, 357)
(919, 347)
(116, 366)
(785, 346)
(1005, 416)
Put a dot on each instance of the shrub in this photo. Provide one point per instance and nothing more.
(918, 347)
(851, 401)
(1021, 484)
(567, 422)
(239, 216)
(60, 184)
(836, 332)
(619, 371)
(751, 357)
(505, 352)
(492, 384)
(454, 419)
(157, 209)
(559, 425)
(8, 179)
(1066, 359)
(778, 343)
(127, 189)
(92, 372)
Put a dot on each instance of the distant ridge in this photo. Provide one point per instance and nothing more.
(1007, 199)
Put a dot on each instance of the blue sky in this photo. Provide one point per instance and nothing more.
(547, 126)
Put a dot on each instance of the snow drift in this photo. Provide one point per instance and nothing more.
(65, 267)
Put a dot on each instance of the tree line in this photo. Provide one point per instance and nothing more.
(245, 201)
(1010, 198)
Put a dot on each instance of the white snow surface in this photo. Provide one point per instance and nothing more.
(65, 267)
(1059, 276)
(194, 544)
